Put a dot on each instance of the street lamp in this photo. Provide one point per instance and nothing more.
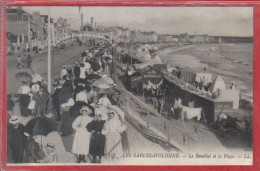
(49, 52)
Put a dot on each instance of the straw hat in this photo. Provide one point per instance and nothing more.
(14, 119)
(222, 116)
(26, 134)
(50, 145)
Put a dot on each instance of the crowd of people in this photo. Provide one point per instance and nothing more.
(85, 105)
(23, 62)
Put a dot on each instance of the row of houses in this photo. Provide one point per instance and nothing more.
(124, 35)
(27, 30)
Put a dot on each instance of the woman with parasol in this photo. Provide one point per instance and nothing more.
(81, 140)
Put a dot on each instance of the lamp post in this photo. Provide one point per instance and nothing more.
(49, 52)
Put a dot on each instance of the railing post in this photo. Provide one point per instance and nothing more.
(168, 132)
(147, 119)
(184, 139)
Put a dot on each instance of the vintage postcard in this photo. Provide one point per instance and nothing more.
(129, 85)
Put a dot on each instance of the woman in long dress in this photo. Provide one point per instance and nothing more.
(82, 136)
(97, 142)
(112, 130)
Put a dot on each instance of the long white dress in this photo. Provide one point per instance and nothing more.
(82, 136)
(112, 130)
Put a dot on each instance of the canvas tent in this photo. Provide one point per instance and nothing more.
(218, 83)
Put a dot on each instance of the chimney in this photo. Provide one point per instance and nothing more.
(91, 21)
(81, 20)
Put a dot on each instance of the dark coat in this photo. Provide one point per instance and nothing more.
(24, 102)
(10, 105)
(32, 151)
(37, 99)
(113, 100)
(55, 97)
(66, 92)
(69, 72)
(76, 71)
(66, 123)
(97, 142)
(45, 96)
(16, 141)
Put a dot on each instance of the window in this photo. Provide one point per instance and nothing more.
(25, 17)
(19, 17)
(11, 17)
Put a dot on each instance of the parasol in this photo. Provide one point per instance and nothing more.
(36, 78)
(23, 76)
(105, 91)
(99, 82)
(109, 80)
(40, 126)
(93, 77)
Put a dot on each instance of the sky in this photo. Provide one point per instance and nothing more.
(217, 21)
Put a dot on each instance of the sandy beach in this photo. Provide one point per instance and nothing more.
(234, 62)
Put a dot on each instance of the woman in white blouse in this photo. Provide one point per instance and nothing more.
(82, 136)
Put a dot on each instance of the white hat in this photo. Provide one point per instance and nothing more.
(81, 96)
(70, 102)
(35, 88)
(45, 82)
(85, 108)
(24, 89)
(222, 116)
(14, 119)
(26, 134)
(49, 115)
(36, 78)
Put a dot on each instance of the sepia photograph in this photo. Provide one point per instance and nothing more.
(121, 85)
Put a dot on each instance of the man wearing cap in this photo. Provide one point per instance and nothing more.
(51, 156)
(15, 139)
